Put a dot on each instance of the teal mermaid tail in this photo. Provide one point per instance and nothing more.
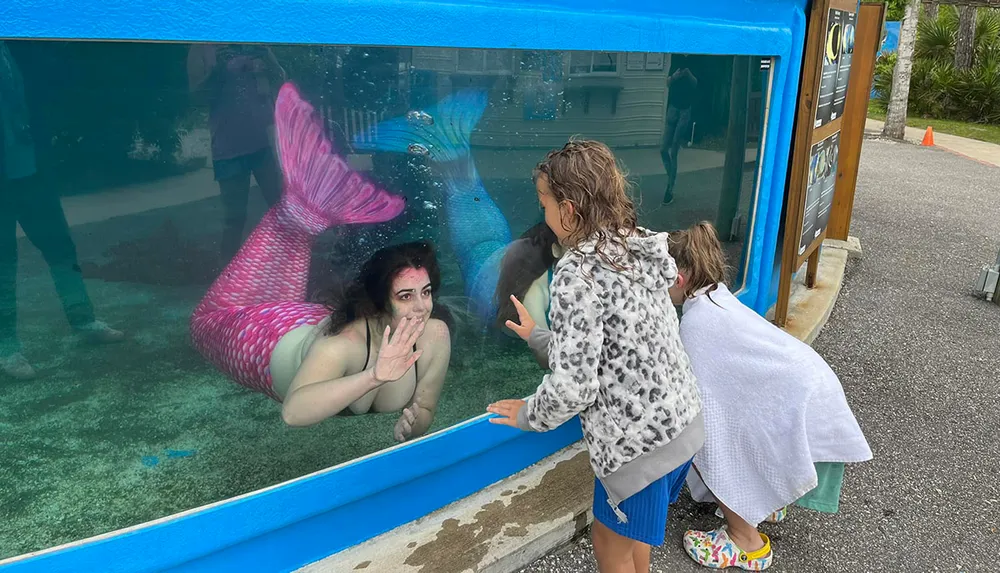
(477, 228)
(441, 132)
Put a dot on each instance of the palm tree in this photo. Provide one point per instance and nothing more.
(931, 9)
(895, 119)
(938, 38)
(965, 38)
(937, 89)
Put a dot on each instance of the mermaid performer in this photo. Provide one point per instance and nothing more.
(255, 325)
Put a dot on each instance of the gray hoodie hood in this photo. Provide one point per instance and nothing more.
(650, 262)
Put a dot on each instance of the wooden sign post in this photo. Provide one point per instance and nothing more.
(826, 70)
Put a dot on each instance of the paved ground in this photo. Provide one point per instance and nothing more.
(919, 358)
(979, 150)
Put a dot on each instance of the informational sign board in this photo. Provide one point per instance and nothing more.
(863, 46)
(838, 49)
(830, 61)
(819, 191)
(847, 37)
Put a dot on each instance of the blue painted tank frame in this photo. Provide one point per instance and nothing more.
(291, 524)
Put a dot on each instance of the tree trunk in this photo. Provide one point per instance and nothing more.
(931, 9)
(965, 40)
(895, 119)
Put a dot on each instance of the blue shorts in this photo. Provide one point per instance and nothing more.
(646, 511)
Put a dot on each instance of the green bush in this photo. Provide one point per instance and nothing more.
(90, 101)
(882, 80)
(937, 89)
(894, 10)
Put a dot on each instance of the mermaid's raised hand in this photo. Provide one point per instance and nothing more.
(396, 355)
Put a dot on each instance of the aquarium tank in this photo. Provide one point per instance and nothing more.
(177, 217)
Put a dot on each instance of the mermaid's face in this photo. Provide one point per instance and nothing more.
(410, 296)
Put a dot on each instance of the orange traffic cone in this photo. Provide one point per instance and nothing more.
(928, 137)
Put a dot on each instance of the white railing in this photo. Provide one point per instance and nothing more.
(354, 124)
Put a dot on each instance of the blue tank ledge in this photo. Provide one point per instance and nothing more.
(758, 27)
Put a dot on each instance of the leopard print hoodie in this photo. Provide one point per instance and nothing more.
(615, 355)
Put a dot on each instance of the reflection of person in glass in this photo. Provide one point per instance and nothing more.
(40, 213)
(681, 86)
(380, 351)
(239, 82)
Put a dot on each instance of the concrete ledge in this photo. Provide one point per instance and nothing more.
(497, 530)
(852, 245)
(809, 309)
(515, 521)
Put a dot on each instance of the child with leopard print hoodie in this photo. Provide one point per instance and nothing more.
(614, 352)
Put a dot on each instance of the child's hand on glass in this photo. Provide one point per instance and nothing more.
(506, 410)
(527, 323)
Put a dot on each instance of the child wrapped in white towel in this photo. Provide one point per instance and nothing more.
(778, 428)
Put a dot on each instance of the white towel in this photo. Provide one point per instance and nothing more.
(772, 408)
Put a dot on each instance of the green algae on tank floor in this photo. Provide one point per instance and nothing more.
(108, 437)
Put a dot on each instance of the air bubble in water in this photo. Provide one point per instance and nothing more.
(417, 149)
(417, 117)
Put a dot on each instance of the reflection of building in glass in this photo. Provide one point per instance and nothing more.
(539, 99)
(594, 95)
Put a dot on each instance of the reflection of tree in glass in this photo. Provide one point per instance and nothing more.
(85, 130)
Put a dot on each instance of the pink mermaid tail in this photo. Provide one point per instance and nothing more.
(261, 294)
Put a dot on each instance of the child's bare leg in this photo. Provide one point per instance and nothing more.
(744, 535)
(640, 557)
(614, 552)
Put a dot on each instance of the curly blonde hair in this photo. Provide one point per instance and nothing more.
(585, 174)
